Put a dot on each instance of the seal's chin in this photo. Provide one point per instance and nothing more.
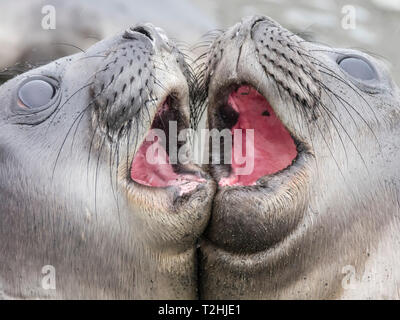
(272, 150)
(151, 165)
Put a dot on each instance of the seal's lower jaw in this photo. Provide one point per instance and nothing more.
(256, 209)
(152, 166)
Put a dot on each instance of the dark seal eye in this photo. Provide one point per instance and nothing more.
(358, 68)
(36, 93)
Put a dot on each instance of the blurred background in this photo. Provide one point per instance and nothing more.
(80, 23)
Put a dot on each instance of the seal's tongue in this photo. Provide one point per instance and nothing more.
(274, 148)
(151, 164)
(157, 173)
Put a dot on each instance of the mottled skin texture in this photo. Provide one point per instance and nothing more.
(66, 199)
(291, 235)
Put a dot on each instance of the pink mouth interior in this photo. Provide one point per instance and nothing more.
(158, 172)
(274, 148)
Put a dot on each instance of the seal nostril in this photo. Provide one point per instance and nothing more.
(143, 31)
(256, 22)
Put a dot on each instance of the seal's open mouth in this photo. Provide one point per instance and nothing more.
(272, 150)
(152, 165)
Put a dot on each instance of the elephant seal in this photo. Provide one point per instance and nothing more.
(79, 217)
(318, 217)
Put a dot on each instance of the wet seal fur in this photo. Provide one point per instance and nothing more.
(327, 226)
(66, 197)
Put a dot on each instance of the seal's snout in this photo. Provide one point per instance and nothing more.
(140, 29)
(147, 31)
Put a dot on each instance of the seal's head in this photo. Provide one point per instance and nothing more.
(319, 185)
(77, 191)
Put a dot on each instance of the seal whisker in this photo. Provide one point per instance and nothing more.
(66, 101)
(116, 164)
(210, 36)
(65, 139)
(345, 102)
(331, 114)
(69, 45)
(80, 116)
(113, 154)
(158, 83)
(128, 148)
(332, 118)
(90, 150)
(91, 57)
(328, 94)
(96, 175)
(358, 94)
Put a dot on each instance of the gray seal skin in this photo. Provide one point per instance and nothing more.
(66, 196)
(327, 225)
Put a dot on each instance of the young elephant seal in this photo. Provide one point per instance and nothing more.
(318, 216)
(83, 215)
